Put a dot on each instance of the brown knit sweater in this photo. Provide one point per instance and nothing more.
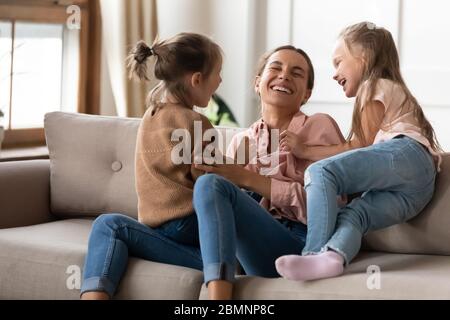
(164, 189)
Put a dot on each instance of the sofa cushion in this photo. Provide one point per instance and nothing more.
(91, 164)
(399, 276)
(428, 232)
(44, 262)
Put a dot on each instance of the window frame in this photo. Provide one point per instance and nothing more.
(50, 11)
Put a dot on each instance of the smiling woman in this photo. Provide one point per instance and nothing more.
(284, 81)
(289, 72)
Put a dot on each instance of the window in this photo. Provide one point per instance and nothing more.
(43, 64)
(423, 48)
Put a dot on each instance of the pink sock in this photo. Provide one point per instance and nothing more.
(324, 265)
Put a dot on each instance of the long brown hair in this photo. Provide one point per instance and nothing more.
(174, 58)
(381, 62)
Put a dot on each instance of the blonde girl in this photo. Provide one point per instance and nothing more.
(391, 156)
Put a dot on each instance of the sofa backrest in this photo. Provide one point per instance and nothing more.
(428, 232)
(92, 172)
(92, 163)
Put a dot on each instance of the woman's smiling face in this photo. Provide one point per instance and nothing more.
(284, 80)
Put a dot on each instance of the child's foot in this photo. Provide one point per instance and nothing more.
(324, 265)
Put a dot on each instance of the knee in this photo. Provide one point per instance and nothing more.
(208, 187)
(210, 182)
(107, 221)
(206, 180)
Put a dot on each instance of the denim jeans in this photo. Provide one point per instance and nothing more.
(231, 223)
(115, 236)
(397, 180)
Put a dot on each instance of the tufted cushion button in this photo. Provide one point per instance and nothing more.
(116, 166)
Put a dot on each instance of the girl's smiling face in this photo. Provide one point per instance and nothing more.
(349, 67)
(284, 80)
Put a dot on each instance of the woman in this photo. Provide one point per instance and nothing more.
(231, 223)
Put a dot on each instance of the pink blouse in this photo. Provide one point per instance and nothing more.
(288, 198)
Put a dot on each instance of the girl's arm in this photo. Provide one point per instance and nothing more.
(240, 176)
(259, 184)
(372, 115)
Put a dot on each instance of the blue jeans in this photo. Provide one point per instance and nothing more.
(229, 223)
(233, 224)
(115, 236)
(397, 178)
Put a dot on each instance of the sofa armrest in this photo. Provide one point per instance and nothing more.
(24, 193)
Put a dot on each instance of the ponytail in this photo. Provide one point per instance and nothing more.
(137, 60)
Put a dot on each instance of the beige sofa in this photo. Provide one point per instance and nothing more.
(47, 208)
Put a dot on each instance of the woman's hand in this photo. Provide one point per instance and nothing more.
(289, 141)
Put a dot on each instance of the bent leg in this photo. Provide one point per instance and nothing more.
(399, 175)
(398, 165)
(374, 210)
(114, 236)
(232, 224)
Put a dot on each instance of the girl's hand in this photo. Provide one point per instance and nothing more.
(289, 141)
(233, 172)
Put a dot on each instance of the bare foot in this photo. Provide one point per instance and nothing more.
(220, 290)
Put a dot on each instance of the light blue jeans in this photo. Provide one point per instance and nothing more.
(115, 236)
(397, 180)
(232, 224)
(229, 222)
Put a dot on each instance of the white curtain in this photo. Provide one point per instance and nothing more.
(125, 22)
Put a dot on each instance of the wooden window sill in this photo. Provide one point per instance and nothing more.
(24, 153)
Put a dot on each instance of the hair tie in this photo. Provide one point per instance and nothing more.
(146, 52)
(149, 51)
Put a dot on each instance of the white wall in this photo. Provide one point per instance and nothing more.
(420, 28)
(232, 25)
(107, 103)
(247, 28)
(425, 59)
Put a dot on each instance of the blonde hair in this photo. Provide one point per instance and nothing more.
(381, 61)
(174, 58)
